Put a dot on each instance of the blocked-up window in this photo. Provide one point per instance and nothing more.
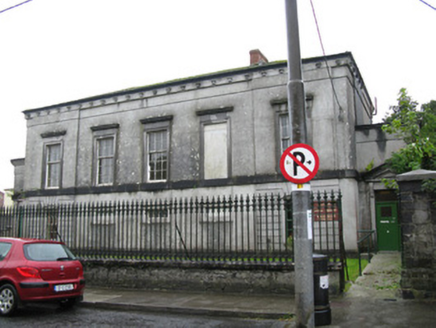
(215, 151)
(217, 231)
(53, 162)
(156, 231)
(103, 230)
(105, 160)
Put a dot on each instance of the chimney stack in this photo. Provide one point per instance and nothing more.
(257, 58)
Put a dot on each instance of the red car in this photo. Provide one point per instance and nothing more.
(33, 270)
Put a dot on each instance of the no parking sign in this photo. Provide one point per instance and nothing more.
(299, 163)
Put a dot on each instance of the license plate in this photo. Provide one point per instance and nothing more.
(63, 288)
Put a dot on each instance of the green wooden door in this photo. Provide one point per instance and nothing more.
(388, 232)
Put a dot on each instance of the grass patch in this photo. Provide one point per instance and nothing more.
(353, 271)
(392, 286)
(288, 317)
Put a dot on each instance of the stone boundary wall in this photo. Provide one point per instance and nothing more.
(198, 277)
(418, 228)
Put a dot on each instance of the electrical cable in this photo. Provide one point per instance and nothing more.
(323, 52)
(428, 4)
(22, 3)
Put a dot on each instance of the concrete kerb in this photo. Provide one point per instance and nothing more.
(185, 311)
(210, 304)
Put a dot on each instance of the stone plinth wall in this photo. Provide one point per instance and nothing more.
(201, 277)
(418, 227)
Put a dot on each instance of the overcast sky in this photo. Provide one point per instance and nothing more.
(53, 51)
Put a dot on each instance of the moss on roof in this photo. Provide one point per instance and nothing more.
(203, 76)
(190, 79)
(166, 83)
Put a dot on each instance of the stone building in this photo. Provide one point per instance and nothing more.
(216, 134)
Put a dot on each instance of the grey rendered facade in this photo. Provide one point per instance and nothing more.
(216, 134)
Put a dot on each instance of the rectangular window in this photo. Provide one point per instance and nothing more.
(157, 136)
(102, 233)
(156, 229)
(157, 155)
(285, 133)
(53, 165)
(105, 141)
(215, 151)
(105, 160)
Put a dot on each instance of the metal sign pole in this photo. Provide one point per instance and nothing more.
(302, 214)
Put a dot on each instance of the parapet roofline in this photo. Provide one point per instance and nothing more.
(194, 79)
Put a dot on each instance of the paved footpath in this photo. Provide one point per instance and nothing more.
(373, 301)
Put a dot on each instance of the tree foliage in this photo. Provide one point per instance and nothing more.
(417, 127)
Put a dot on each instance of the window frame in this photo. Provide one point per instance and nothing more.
(51, 138)
(156, 125)
(47, 164)
(280, 106)
(284, 116)
(101, 158)
(100, 133)
(148, 153)
(281, 109)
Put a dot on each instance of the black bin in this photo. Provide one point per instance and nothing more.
(323, 314)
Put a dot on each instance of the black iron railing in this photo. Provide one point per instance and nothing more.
(365, 243)
(219, 229)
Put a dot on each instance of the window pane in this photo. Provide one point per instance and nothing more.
(53, 153)
(106, 147)
(105, 170)
(47, 252)
(151, 142)
(386, 211)
(53, 175)
(284, 125)
(4, 250)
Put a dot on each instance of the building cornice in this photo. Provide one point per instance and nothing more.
(188, 84)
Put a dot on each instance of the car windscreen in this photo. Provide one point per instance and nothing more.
(47, 252)
(4, 249)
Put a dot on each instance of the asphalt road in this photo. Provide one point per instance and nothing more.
(48, 316)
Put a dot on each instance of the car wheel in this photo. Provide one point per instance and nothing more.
(8, 300)
(67, 303)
